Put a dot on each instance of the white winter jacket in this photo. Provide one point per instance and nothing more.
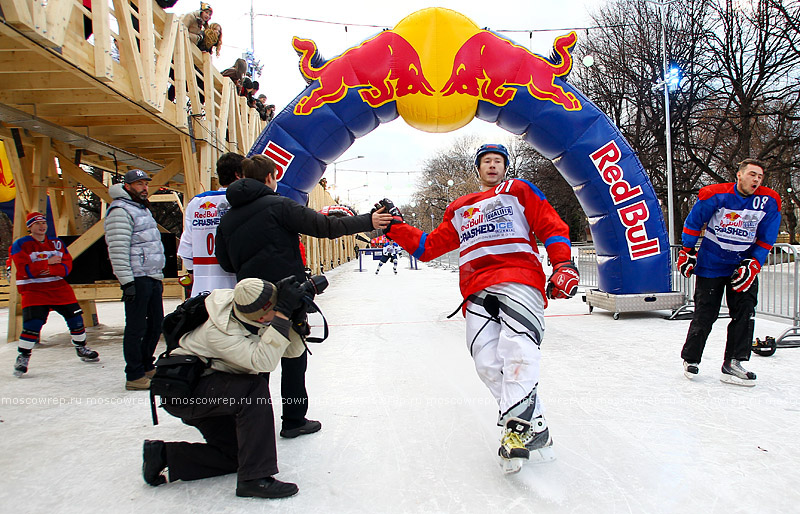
(230, 346)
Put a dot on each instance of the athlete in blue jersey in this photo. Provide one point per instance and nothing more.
(741, 224)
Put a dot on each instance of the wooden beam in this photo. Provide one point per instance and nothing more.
(76, 172)
(166, 49)
(130, 56)
(169, 171)
(17, 13)
(58, 14)
(179, 59)
(87, 239)
(41, 165)
(148, 49)
(103, 63)
(190, 172)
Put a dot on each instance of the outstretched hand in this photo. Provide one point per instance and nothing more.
(380, 218)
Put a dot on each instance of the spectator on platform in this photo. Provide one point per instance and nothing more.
(236, 73)
(197, 21)
(212, 39)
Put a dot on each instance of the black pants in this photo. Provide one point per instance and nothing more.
(294, 397)
(143, 317)
(235, 417)
(707, 301)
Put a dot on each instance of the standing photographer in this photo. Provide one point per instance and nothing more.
(247, 332)
(258, 238)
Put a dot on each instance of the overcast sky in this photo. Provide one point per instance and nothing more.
(394, 146)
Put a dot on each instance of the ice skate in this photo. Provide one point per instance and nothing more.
(86, 354)
(512, 450)
(538, 441)
(690, 369)
(734, 373)
(21, 365)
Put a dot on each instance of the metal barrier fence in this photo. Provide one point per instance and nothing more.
(778, 282)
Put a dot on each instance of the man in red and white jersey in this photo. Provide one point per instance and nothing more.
(198, 240)
(41, 264)
(503, 285)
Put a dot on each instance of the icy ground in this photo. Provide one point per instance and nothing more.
(408, 426)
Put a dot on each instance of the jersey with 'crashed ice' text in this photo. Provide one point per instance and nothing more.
(495, 232)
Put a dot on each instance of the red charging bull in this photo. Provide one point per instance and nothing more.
(486, 65)
(386, 67)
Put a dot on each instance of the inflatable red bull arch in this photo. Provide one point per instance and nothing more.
(437, 70)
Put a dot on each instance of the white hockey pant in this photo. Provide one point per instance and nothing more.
(506, 354)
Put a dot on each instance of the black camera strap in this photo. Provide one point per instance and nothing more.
(324, 324)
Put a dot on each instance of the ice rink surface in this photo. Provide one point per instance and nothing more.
(409, 427)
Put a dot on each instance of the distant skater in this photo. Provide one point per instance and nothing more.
(390, 252)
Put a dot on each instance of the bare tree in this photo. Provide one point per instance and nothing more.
(739, 99)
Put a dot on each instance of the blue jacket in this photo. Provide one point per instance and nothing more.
(737, 227)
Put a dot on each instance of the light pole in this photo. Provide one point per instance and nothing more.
(339, 162)
(662, 5)
(353, 189)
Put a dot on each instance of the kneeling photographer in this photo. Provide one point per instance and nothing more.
(248, 331)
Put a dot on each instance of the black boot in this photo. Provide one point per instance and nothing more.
(265, 488)
(154, 461)
(309, 427)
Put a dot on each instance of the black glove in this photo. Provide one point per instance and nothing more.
(128, 292)
(391, 209)
(290, 296)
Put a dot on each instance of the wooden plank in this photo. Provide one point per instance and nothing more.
(129, 51)
(58, 15)
(148, 49)
(76, 173)
(17, 13)
(81, 95)
(41, 164)
(191, 76)
(86, 239)
(169, 171)
(179, 60)
(166, 49)
(224, 108)
(143, 121)
(190, 171)
(103, 63)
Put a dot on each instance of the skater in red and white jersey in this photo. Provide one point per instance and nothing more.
(504, 290)
(41, 264)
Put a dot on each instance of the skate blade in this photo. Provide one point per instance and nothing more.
(541, 455)
(690, 376)
(510, 466)
(19, 374)
(87, 359)
(730, 379)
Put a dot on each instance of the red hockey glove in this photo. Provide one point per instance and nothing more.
(687, 260)
(563, 283)
(745, 274)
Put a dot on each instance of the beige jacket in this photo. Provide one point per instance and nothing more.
(195, 25)
(230, 346)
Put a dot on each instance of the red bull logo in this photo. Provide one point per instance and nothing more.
(634, 216)
(732, 216)
(385, 67)
(469, 213)
(486, 65)
(208, 205)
